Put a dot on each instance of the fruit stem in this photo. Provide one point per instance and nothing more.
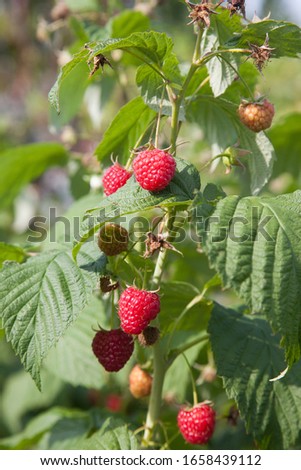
(194, 391)
(210, 55)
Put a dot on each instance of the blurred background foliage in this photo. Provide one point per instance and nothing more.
(36, 37)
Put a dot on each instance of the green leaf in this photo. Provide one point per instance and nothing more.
(150, 47)
(247, 358)
(221, 72)
(285, 37)
(79, 367)
(261, 161)
(128, 22)
(176, 296)
(62, 429)
(113, 435)
(254, 245)
(41, 298)
(131, 198)
(20, 165)
(178, 378)
(153, 87)
(11, 253)
(16, 405)
(285, 137)
(70, 95)
(35, 429)
(64, 233)
(125, 129)
(54, 95)
(220, 123)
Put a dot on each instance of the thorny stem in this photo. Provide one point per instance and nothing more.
(160, 365)
(176, 101)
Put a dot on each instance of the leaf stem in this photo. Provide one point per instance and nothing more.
(210, 55)
(176, 352)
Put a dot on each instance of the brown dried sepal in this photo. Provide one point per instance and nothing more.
(233, 416)
(149, 336)
(235, 6)
(261, 54)
(98, 61)
(201, 12)
(154, 243)
(107, 285)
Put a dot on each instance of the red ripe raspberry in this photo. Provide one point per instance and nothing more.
(137, 308)
(114, 177)
(114, 402)
(197, 424)
(112, 348)
(154, 169)
(140, 382)
(256, 116)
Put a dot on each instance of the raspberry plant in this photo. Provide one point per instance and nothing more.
(247, 243)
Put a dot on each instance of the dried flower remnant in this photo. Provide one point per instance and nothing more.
(261, 54)
(155, 243)
(237, 5)
(98, 61)
(200, 13)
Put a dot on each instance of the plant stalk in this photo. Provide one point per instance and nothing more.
(160, 364)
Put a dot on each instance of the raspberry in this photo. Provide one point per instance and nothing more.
(197, 424)
(256, 116)
(112, 348)
(114, 402)
(140, 382)
(149, 336)
(113, 239)
(154, 169)
(137, 308)
(114, 177)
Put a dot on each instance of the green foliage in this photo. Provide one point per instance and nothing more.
(124, 131)
(248, 357)
(253, 243)
(11, 253)
(79, 366)
(222, 70)
(128, 22)
(41, 298)
(285, 138)
(61, 428)
(20, 165)
(284, 37)
(51, 303)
